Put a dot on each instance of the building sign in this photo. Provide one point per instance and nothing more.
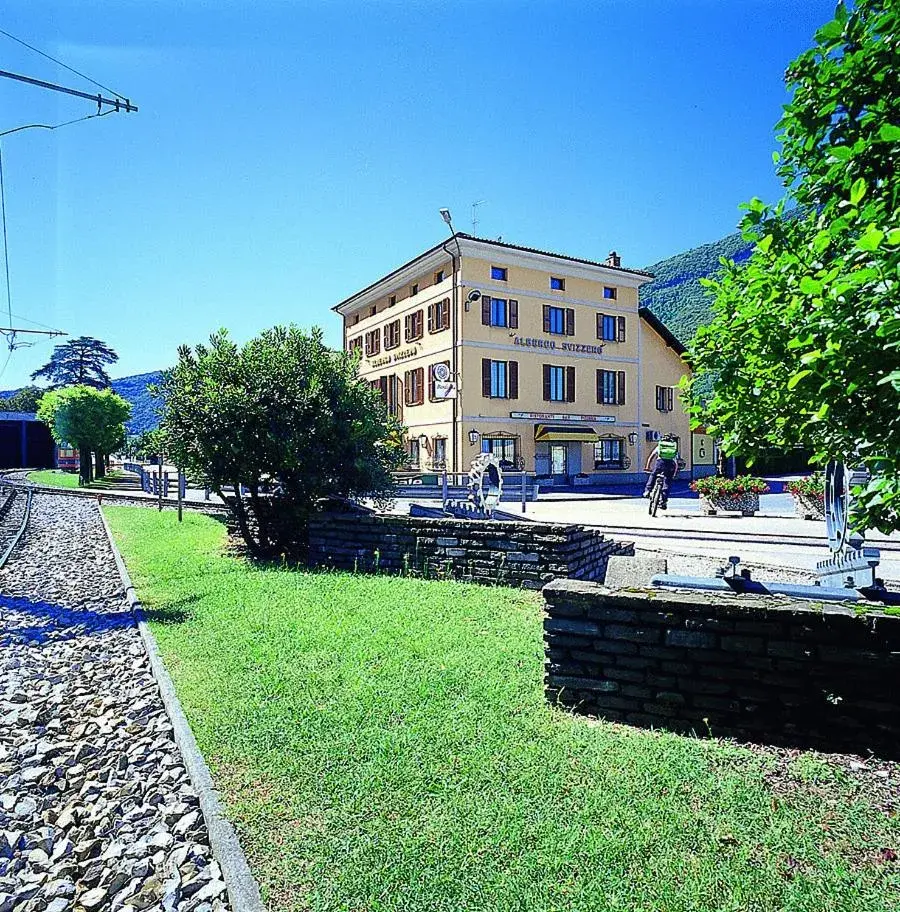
(553, 416)
(444, 389)
(702, 449)
(571, 348)
(401, 355)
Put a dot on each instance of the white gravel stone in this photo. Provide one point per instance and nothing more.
(96, 808)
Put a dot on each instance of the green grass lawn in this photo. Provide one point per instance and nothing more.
(53, 478)
(383, 744)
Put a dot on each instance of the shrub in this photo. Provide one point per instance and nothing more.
(811, 487)
(716, 486)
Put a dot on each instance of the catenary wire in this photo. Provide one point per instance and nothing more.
(65, 66)
(5, 242)
(57, 126)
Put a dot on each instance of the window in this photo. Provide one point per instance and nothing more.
(439, 316)
(414, 383)
(499, 379)
(610, 328)
(373, 343)
(560, 321)
(608, 453)
(610, 293)
(393, 301)
(665, 398)
(557, 284)
(559, 383)
(413, 324)
(414, 289)
(498, 273)
(392, 335)
(499, 312)
(504, 448)
(414, 451)
(440, 452)
(611, 387)
(439, 277)
(392, 394)
(431, 390)
(355, 344)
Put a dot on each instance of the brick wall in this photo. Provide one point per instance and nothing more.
(751, 667)
(524, 554)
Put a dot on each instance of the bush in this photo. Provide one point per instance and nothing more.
(811, 487)
(715, 486)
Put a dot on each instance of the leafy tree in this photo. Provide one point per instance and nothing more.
(80, 361)
(23, 400)
(147, 445)
(88, 419)
(282, 413)
(805, 344)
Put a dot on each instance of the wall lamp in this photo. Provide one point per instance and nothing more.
(473, 436)
(632, 438)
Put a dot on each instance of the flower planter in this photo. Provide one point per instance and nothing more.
(745, 504)
(809, 507)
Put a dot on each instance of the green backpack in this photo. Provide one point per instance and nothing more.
(668, 449)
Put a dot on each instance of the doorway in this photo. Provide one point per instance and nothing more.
(559, 461)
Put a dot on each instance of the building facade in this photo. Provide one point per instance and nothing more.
(545, 360)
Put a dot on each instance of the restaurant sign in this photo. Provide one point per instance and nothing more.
(401, 355)
(553, 416)
(571, 348)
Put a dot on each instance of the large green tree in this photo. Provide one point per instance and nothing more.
(91, 420)
(79, 361)
(283, 414)
(804, 348)
(23, 400)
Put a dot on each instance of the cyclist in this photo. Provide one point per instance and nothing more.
(664, 462)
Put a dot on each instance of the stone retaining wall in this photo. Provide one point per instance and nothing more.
(510, 553)
(751, 667)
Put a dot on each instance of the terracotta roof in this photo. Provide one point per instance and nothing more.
(662, 329)
(550, 253)
(501, 244)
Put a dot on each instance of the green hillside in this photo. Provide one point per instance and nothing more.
(676, 295)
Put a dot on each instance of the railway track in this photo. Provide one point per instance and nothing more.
(12, 528)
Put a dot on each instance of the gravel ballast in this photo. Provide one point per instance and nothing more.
(97, 810)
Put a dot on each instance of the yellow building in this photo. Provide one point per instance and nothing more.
(546, 360)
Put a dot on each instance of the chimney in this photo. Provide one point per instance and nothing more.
(613, 259)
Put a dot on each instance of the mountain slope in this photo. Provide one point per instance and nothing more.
(143, 405)
(676, 295)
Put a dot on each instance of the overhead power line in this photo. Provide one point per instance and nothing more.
(65, 66)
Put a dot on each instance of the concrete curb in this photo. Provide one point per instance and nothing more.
(243, 890)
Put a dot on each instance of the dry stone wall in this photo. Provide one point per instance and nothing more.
(752, 667)
(522, 554)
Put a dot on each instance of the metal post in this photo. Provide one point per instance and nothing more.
(206, 493)
(180, 494)
(159, 482)
(166, 484)
(444, 487)
(523, 490)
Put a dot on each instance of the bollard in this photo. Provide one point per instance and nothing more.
(523, 491)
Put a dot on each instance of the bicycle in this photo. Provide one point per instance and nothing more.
(656, 495)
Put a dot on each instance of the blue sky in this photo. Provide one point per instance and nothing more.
(287, 153)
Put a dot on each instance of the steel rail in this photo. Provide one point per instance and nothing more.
(18, 536)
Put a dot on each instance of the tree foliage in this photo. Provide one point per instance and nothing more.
(283, 413)
(805, 344)
(80, 361)
(88, 419)
(23, 400)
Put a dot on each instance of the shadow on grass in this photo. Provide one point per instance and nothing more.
(175, 612)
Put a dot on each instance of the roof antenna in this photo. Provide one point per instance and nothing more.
(475, 206)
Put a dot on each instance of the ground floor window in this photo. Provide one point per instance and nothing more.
(504, 448)
(414, 451)
(440, 452)
(608, 453)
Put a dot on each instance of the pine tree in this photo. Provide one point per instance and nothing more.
(80, 361)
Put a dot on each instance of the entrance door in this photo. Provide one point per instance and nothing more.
(558, 459)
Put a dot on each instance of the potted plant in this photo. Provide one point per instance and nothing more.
(809, 496)
(740, 494)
